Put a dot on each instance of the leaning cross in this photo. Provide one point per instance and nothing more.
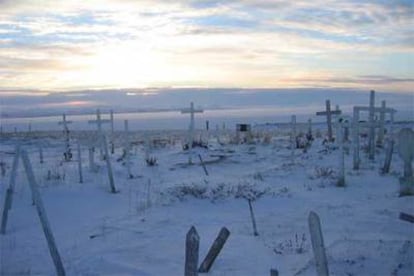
(406, 152)
(191, 110)
(328, 113)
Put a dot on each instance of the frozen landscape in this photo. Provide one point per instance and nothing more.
(206, 137)
(134, 219)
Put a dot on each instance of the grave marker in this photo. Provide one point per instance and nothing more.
(108, 165)
(328, 113)
(293, 135)
(342, 123)
(80, 164)
(91, 154)
(99, 123)
(111, 116)
(127, 149)
(192, 111)
(318, 244)
(214, 250)
(67, 154)
(255, 233)
(10, 190)
(371, 124)
(192, 243)
(406, 152)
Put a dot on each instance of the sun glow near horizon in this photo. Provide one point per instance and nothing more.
(80, 45)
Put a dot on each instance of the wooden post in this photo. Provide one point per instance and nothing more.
(99, 123)
(252, 217)
(192, 111)
(9, 192)
(91, 152)
(192, 243)
(355, 139)
(127, 149)
(112, 132)
(274, 272)
(381, 130)
(203, 165)
(388, 156)
(340, 141)
(328, 113)
(80, 164)
(371, 133)
(214, 250)
(40, 154)
(42, 216)
(108, 165)
(318, 245)
(293, 136)
(406, 217)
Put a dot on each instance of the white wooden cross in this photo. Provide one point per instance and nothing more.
(371, 124)
(328, 113)
(99, 123)
(66, 131)
(192, 111)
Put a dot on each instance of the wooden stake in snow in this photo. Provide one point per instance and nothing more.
(99, 123)
(328, 113)
(111, 116)
(252, 217)
(91, 154)
(192, 111)
(127, 149)
(203, 165)
(42, 215)
(343, 122)
(310, 135)
(388, 156)
(371, 134)
(9, 192)
(108, 165)
(64, 123)
(41, 154)
(214, 250)
(192, 243)
(381, 131)
(80, 163)
(355, 139)
(293, 136)
(318, 245)
(406, 152)
(274, 272)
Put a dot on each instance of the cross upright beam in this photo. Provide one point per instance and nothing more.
(192, 111)
(99, 122)
(328, 113)
(65, 123)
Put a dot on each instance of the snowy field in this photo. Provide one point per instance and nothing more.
(141, 229)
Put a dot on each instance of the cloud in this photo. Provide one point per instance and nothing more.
(247, 43)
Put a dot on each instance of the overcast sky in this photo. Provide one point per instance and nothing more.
(70, 45)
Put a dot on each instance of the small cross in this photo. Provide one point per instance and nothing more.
(191, 110)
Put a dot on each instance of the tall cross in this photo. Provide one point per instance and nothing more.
(328, 113)
(191, 110)
(99, 123)
(66, 131)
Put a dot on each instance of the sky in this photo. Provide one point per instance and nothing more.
(58, 46)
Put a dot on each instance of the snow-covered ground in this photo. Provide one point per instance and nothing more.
(141, 229)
